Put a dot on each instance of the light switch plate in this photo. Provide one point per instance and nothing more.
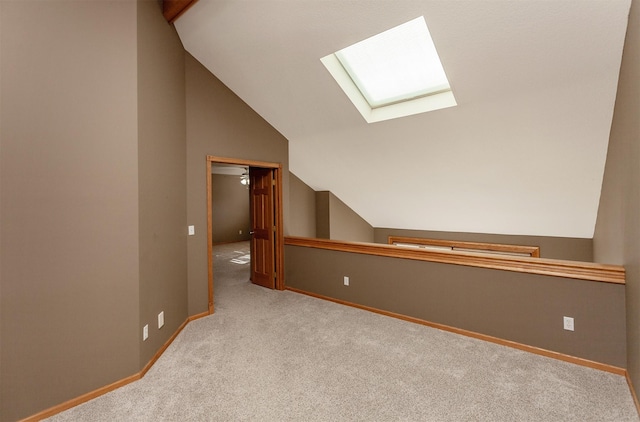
(160, 319)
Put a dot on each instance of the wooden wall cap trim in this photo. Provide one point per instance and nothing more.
(541, 266)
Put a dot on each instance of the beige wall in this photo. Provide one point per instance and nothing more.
(617, 235)
(323, 221)
(97, 185)
(161, 178)
(302, 208)
(336, 221)
(220, 124)
(345, 224)
(1, 226)
(572, 249)
(93, 196)
(230, 211)
(525, 308)
(97, 107)
(69, 201)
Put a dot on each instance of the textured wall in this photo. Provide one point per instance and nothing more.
(221, 124)
(572, 249)
(345, 224)
(69, 201)
(617, 235)
(162, 178)
(303, 208)
(230, 210)
(524, 308)
(323, 222)
(336, 221)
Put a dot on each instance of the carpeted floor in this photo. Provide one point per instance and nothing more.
(281, 356)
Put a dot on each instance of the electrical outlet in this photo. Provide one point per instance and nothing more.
(346, 280)
(192, 230)
(160, 319)
(568, 323)
(145, 332)
(239, 231)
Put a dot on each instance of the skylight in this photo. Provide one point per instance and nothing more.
(393, 74)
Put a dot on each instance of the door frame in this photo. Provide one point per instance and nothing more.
(278, 210)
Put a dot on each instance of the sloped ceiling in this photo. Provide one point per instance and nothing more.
(522, 153)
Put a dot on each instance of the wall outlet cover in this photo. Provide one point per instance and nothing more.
(568, 323)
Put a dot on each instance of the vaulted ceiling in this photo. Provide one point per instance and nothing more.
(522, 153)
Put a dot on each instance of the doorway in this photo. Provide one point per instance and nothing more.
(267, 215)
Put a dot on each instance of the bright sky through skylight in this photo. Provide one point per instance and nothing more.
(395, 65)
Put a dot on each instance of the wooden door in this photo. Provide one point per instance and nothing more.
(262, 227)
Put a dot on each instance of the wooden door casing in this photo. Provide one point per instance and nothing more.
(278, 176)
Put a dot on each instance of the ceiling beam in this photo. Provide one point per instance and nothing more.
(172, 9)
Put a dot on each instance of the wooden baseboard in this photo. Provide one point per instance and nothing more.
(120, 383)
(198, 316)
(532, 349)
(160, 351)
(115, 385)
(82, 399)
(169, 341)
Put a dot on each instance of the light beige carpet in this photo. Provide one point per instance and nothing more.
(281, 356)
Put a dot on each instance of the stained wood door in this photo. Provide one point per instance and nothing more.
(262, 227)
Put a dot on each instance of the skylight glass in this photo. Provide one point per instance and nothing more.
(396, 65)
(393, 74)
